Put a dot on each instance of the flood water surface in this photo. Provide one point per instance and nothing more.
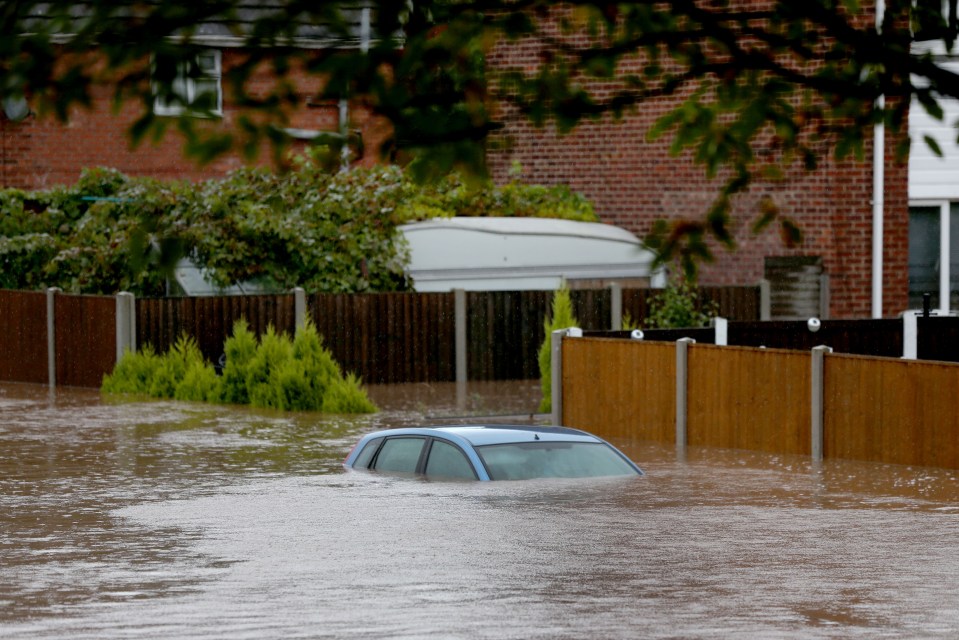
(189, 521)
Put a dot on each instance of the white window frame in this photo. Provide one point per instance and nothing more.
(189, 87)
(945, 206)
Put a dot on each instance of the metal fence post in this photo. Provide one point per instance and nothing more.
(616, 306)
(299, 307)
(459, 319)
(52, 337)
(126, 323)
(817, 412)
(682, 378)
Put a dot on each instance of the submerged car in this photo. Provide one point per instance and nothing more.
(490, 452)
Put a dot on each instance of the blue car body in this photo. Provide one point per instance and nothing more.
(493, 452)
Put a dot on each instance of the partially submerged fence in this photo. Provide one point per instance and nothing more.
(815, 403)
(384, 337)
(56, 338)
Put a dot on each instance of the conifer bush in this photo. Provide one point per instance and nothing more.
(561, 317)
(277, 372)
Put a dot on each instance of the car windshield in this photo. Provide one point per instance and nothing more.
(526, 460)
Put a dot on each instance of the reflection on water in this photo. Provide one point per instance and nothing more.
(179, 520)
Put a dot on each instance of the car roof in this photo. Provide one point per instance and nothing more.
(488, 434)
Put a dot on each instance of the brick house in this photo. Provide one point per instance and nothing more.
(40, 153)
(632, 180)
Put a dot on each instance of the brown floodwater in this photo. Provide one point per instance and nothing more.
(173, 520)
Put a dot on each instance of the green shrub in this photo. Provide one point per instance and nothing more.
(275, 372)
(133, 374)
(345, 395)
(561, 317)
(239, 349)
(272, 355)
(173, 367)
(199, 384)
(327, 232)
(679, 306)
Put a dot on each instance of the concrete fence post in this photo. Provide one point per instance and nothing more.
(126, 322)
(910, 335)
(721, 327)
(52, 337)
(682, 379)
(556, 371)
(459, 320)
(299, 307)
(765, 300)
(818, 404)
(616, 306)
(824, 296)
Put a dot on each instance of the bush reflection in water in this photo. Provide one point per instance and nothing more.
(176, 520)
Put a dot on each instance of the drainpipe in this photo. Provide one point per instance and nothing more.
(878, 189)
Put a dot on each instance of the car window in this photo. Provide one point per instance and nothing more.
(363, 459)
(399, 455)
(447, 461)
(525, 460)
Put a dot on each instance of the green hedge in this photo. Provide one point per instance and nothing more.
(326, 232)
(277, 372)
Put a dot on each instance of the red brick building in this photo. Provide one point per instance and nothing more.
(632, 181)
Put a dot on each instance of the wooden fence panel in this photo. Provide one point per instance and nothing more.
(938, 339)
(733, 303)
(209, 320)
(504, 333)
(389, 337)
(892, 411)
(23, 336)
(620, 388)
(86, 339)
(861, 337)
(748, 399)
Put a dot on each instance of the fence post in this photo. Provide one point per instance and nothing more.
(459, 319)
(299, 307)
(721, 327)
(556, 371)
(52, 337)
(824, 296)
(765, 300)
(682, 377)
(616, 306)
(910, 335)
(126, 322)
(816, 383)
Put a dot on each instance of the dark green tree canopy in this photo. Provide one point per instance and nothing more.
(804, 77)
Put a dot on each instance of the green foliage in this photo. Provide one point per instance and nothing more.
(679, 306)
(239, 349)
(326, 232)
(561, 317)
(133, 374)
(801, 80)
(275, 372)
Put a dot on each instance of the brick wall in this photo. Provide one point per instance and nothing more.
(634, 181)
(41, 152)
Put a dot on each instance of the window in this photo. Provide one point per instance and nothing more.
(447, 461)
(188, 86)
(399, 455)
(925, 259)
(366, 455)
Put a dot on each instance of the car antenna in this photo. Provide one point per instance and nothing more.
(535, 436)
